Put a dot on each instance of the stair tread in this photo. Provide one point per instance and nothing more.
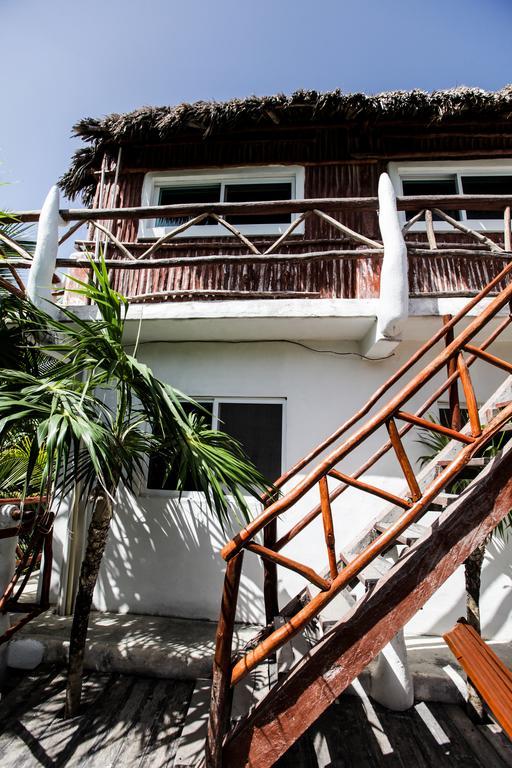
(476, 461)
(414, 532)
(373, 571)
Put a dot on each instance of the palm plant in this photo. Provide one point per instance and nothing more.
(90, 402)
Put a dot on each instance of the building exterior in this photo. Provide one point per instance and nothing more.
(283, 346)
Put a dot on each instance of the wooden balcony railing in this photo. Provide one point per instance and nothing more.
(336, 262)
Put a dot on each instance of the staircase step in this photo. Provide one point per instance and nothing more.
(443, 500)
(190, 752)
(476, 461)
(413, 533)
(335, 610)
(370, 575)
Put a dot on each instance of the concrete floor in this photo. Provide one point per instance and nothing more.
(183, 650)
(135, 722)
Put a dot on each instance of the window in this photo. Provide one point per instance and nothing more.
(256, 424)
(445, 178)
(234, 185)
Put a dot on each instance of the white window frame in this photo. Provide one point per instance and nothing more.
(155, 181)
(216, 400)
(437, 169)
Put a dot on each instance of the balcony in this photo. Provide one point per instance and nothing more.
(330, 271)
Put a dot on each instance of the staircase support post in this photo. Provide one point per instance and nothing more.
(221, 685)
(270, 585)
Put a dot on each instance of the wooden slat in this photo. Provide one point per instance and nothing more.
(287, 562)
(408, 537)
(408, 203)
(434, 427)
(489, 358)
(270, 582)
(454, 402)
(485, 669)
(221, 678)
(380, 492)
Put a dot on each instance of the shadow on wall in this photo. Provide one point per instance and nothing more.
(163, 558)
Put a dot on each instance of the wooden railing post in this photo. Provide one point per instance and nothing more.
(469, 392)
(454, 403)
(270, 586)
(220, 704)
(328, 526)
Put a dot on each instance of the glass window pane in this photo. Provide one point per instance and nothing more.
(486, 185)
(439, 186)
(258, 427)
(204, 193)
(160, 476)
(242, 193)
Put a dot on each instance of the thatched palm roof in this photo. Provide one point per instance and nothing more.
(164, 124)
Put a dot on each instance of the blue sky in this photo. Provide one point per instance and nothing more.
(65, 59)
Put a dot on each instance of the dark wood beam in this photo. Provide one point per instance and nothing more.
(452, 202)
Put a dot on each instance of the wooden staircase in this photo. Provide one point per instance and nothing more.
(344, 633)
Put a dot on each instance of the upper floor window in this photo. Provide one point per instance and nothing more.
(473, 177)
(232, 185)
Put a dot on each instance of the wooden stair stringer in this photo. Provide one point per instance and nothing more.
(389, 513)
(342, 654)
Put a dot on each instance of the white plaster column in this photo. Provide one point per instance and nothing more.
(39, 284)
(393, 305)
(7, 566)
(391, 681)
(394, 286)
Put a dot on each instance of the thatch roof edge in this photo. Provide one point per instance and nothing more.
(162, 124)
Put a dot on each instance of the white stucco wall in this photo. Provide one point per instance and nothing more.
(163, 555)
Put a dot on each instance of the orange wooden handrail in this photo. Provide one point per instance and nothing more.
(446, 329)
(292, 565)
(380, 492)
(453, 434)
(336, 493)
(383, 416)
(296, 623)
(409, 203)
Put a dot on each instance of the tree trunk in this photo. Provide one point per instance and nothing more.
(96, 541)
(473, 574)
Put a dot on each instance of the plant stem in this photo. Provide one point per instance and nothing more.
(96, 542)
(473, 575)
